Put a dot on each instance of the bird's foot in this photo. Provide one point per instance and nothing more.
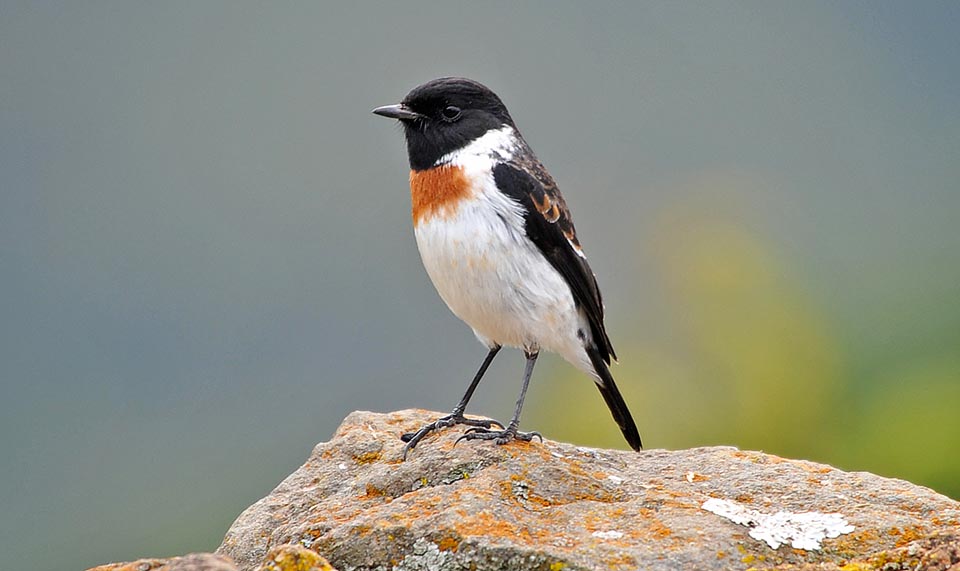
(499, 436)
(413, 438)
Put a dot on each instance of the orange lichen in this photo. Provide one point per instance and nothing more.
(620, 561)
(484, 523)
(854, 543)
(520, 490)
(293, 558)
(909, 534)
(449, 543)
(506, 490)
(368, 457)
(658, 530)
(362, 530)
(437, 191)
(372, 492)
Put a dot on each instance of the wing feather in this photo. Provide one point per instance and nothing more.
(549, 226)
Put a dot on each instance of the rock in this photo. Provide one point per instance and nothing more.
(555, 506)
(192, 562)
(280, 558)
(937, 553)
(294, 558)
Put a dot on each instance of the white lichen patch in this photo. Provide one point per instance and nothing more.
(608, 534)
(801, 530)
(426, 556)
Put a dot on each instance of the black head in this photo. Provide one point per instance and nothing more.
(444, 115)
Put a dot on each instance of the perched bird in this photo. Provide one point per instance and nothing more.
(497, 240)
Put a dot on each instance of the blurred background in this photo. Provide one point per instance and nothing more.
(207, 256)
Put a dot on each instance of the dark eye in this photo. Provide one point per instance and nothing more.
(450, 113)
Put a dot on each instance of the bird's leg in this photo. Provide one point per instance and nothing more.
(455, 417)
(510, 432)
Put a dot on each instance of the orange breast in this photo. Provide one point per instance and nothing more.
(437, 192)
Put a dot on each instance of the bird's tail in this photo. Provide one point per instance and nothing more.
(613, 398)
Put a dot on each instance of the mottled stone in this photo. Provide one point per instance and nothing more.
(294, 558)
(192, 562)
(554, 506)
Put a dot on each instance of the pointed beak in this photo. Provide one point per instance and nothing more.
(398, 111)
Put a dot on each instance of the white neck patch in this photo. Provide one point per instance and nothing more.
(498, 144)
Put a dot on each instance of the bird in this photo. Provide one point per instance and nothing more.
(498, 242)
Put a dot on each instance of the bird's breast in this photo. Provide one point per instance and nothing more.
(438, 192)
(494, 278)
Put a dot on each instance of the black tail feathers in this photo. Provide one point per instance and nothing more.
(614, 400)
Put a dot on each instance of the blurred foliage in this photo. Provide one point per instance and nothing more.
(754, 362)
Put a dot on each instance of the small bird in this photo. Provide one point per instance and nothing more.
(498, 243)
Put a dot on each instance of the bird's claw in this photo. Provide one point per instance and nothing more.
(414, 438)
(498, 436)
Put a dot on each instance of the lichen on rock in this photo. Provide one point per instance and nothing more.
(555, 506)
(801, 530)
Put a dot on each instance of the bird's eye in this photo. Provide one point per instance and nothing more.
(450, 113)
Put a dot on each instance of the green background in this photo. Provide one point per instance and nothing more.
(206, 256)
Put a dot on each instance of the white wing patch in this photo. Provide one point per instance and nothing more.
(577, 249)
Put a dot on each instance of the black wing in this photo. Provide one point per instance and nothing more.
(549, 226)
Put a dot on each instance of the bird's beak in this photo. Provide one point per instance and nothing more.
(398, 111)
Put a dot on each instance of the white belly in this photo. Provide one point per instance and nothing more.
(497, 281)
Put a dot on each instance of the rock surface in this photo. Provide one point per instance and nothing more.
(192, 562)
(555, 506)
(280, 558)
